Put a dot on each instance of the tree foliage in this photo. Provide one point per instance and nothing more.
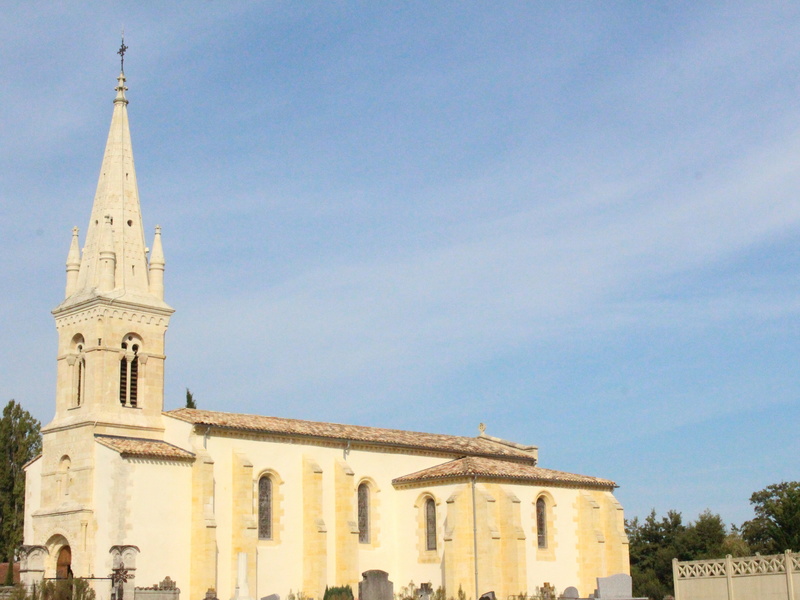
(655, 542)
(776, 526)
(190, 403)
(20, 441)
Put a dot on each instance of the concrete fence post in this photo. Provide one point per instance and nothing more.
(729, 575)
(676, 588)
(789, 575)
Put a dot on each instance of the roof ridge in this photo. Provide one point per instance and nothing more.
(399, 438)
(479, 466)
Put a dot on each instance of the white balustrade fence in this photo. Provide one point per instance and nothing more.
(773, 577)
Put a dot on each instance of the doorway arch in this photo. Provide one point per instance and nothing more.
(64, 563)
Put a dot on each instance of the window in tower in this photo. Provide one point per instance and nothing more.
(123, 376)
(77, 364)
(134, 379)
(129, 373)
(80, 376)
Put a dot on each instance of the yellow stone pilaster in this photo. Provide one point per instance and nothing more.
(315, 548)
(346, 528)
(591, 541)
(510, 561)
(244, 532)
(204, 526)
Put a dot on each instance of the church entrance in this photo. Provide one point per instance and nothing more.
(64, 563)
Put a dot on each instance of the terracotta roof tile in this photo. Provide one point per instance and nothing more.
(143, 448)
(448, 444)
(499, 469)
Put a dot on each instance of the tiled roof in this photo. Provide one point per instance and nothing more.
(143, 448)
(448, 444)
(500, 469)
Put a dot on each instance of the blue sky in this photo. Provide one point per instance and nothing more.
(575, 222)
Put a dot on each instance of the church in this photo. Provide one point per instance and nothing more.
(254, 506)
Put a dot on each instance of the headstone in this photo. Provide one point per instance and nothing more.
(242, 591)
(425, 591)
(375, 585)
(570, 593)
(615, 587)
(488, 596)
(272, 597)
(211, 594)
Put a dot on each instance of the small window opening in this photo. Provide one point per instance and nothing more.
(363, 513)
(541, 523)
(130, 222)
(265, 508)
(79, 382)
(129, 376)
(430, 524)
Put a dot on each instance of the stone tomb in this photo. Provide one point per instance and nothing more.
(375, 585)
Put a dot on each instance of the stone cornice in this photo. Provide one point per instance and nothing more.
(96, 301)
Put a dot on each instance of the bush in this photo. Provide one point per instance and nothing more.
(60, 589)
(341, 592)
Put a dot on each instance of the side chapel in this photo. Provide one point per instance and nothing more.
(253, 505)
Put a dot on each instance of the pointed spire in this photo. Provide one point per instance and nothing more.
(157, 266)
(73, 263)
(117, 197)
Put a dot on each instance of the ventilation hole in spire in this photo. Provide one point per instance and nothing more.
(130, 222)
(126, 176)
(96, 221)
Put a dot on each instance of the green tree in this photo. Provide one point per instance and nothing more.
(776, 526)
(655, 542)
(190, 403)
(20, 441)
(653, 545)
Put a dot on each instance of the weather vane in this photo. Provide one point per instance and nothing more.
(121, 52)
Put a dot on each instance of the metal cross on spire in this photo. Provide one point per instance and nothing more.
(121, 52)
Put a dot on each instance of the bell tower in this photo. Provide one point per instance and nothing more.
(112, 322)
(110, 369)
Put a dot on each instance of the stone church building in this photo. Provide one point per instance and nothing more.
(253, 505)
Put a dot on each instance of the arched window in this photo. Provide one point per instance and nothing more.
(80, 377)
(77, 361)
(129, 373)
(541, 522)
(363, 513)
(265, 508)
(430, 524)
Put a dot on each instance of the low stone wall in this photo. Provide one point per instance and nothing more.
(773, 577)
(166, 590)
